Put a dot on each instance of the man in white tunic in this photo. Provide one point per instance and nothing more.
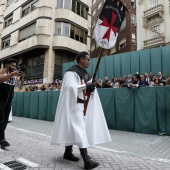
(71, 126)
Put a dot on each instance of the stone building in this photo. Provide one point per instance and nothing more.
(44, 34)
(153, 23)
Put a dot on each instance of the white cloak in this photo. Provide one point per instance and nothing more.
(67, 129)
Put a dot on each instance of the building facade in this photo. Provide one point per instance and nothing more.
(153, 23)
(44, 34)
(126, 40)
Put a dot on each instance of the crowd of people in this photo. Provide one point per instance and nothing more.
(44, 87)
(138, 80)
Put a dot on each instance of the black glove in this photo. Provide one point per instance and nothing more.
(90, 87)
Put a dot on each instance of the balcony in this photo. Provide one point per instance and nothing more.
(154, 42)
(155, 11)
(68, 43)
(39, 41)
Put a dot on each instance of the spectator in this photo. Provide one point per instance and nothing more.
(136, 81)
(150, 75)
(162, 80)
(105, 79)
(168, 82)
(151, 82)
(107, 84)
(99, 83)
(143, 81)
(157, 82)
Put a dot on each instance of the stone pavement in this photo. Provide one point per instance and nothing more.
(30, 139)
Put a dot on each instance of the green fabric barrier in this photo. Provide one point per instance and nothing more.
(134, 62)
(27, 104)
(20, 105)
(167, 105)
(53, 97)
(156, 60)
(43, 103)
(49, 111)
(145, 110)
(102, 66)
(165, 60)
(125, 109)
(94, 63)
(34, 105)
(117, 66)
(161, 109)
(109, 67)
(107, 101)
(14, 104)
(144, 60)
(125, 63)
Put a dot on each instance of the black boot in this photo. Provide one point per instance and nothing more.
(89, 163)
(69, 155)
(4, 144)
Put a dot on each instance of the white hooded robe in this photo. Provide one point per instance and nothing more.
(70, 126)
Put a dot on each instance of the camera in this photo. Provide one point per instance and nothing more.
(22, 67)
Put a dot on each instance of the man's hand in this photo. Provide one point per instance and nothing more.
(90, 87)
(15, 73)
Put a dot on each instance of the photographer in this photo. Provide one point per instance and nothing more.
(8, 78)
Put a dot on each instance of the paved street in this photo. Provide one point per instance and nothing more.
(30, 139)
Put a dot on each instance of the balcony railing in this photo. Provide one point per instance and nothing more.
(155, 11)
(154, 42)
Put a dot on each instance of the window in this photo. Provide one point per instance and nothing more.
(133, 19)
(122, 43)
(60, 58)
(69, 30)
(74, 5)
(34, 66)
(134, 39)
(9, 2)
(8, 21)
(34, 6)
(67, 4)
(123, 26)
(58, 28)
(133, 3)
(27, 32)
(59, 3)
(6, 42)
(72, 32)
(66, 29)
(79, 8)
(154, 3)
(28, 8)
(77, 35)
